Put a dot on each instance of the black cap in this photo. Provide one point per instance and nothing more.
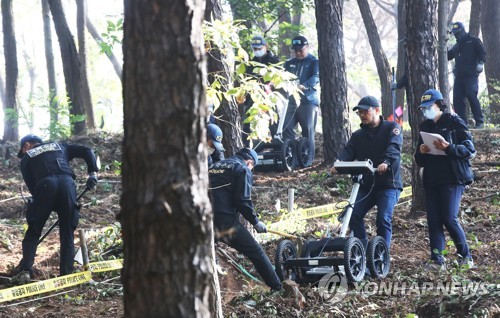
(367, 102)
(26, 139)
(457, 27)
(299, 42)
(258, 41)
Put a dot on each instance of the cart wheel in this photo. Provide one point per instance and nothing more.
(354, 259)
(377, 257)
(286, 250)
(287, 151)
(302, 151)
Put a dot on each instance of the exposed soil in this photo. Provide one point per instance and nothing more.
(244, 297)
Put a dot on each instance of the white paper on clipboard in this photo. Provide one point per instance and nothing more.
(429, 139)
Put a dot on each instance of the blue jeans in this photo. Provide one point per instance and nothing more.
(443, 204)
(385, 200)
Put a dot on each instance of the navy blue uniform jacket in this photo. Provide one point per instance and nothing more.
(380, 144)
(467, 54)
(52, 159)
(231, 189)
(307, 72)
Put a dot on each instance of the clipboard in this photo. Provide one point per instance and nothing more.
(429, 139)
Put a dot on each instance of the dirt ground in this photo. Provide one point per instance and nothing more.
(243, 296)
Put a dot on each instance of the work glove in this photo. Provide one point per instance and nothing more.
(91, 181)
(480, 67)
(260, 227)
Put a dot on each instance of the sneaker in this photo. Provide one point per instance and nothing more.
(21, 278)
(432, 266)
(466, 262)
(479, 126)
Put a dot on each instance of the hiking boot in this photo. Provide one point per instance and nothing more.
(21, 278)
(479, 126)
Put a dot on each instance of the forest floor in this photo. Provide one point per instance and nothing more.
(242, 296)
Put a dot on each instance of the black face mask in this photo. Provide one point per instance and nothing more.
(460, 35)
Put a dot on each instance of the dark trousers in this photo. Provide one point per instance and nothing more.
(238, 237)
(443, 204)
(467, 88)
(306, 115)
(385, 200)
(53, 193)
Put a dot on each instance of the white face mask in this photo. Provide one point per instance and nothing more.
(429, 113)
(260, 53)
(210, 150)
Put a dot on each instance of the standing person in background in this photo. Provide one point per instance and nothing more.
(445, 176)
(469, 55)
(261, 54)
(46, 170)
(305, 66)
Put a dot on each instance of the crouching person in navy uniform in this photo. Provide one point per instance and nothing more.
(48, 176)
(231, 187)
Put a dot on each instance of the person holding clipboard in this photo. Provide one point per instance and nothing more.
(444, 151)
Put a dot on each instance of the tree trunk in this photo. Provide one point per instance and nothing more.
(49, 59)
(490, 25)
(443, 36)
(166, 215)
(475, 18)
(332, 75)
(285, 17)
(29, 114)
(402, 69)
(213, 10)
(111, 56)
(71, 66)
(230, 118)
(421, 54)
(383, 67)
(81, 13)
(452, 11)
(10, 131)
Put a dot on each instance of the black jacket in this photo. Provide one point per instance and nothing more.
(380, 144)
(216, 156)
(267, 59)
(467, 54)
(454, 168)
(53, 159)
(231, 189)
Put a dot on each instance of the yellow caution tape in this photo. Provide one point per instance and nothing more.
(329, 209)
(44, 286)
(57, 283)
(405, 193)
(105, 266)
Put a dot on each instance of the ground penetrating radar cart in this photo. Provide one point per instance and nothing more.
(341, 254)
(282, 154)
